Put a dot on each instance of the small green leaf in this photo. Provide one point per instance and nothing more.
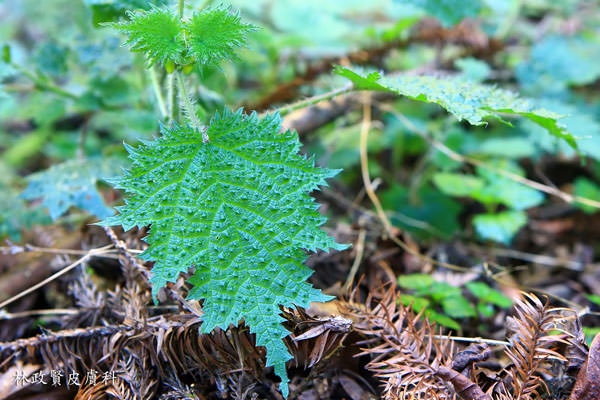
(500, 227)
(588, 189)
(442, 290)
(6, 56)
(442, 319)
(590, 333)
(458, 307)
(455, 184)
(16, 216)
(485, 293)
(560, 61)
(485, 309)
(418, 303)
(468, 101)
(214, 34)
(593, 298)
(415, 281)
(51, 59)
(156, 32)
(501, 189)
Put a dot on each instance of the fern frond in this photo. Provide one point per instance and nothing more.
(214, 34)
(156, 32)
(237, 208)
(532, 345)
(406, 355)
(72, 183)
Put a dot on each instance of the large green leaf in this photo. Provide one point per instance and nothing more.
(237, 208)
(467, 101)
(72, 183)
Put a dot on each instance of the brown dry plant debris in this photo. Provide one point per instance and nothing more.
(532, 345)
(587, 386)
(413, 362)
(406, 356)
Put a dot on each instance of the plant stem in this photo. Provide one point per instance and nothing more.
(158, 92)
(42, 84)
(189, 108)
(181, 8)
(171, 96)
(314, 100)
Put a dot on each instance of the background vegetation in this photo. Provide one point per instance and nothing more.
(455, 211)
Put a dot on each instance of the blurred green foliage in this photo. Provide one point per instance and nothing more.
(69, 89)
(444, 303)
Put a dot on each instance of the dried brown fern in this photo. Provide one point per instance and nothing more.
(406, 354)
(533, 346)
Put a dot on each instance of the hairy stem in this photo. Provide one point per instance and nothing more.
(171, 96)
(189, 108)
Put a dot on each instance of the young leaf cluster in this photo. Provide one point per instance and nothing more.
(207, 37)
(237, 209)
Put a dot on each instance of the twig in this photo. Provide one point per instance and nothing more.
(360, 249)
(120, 245)
(314, 100)
(387, 225)
(58, 274)
(44, 84)
(30, 313)
(54, 337)
(537, 258)
(492, 342)
(15, 249)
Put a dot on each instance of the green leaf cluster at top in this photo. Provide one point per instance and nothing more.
(206, 37)
(444, 303)
(238, 209)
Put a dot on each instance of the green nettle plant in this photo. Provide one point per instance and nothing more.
(230, 199)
